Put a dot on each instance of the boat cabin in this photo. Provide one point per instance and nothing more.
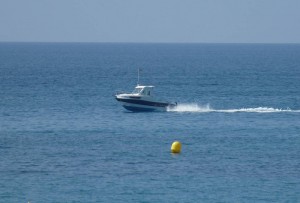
(143, 90)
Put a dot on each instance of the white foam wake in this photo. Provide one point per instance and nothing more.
(257, 110)
(193, 107)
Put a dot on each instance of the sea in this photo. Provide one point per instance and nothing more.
(64, 137)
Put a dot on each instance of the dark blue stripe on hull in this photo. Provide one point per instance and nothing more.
(132, 108)
(142, 102)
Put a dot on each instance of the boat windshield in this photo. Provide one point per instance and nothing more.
(137, 90)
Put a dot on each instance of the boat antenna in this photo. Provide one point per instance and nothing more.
(138, 77)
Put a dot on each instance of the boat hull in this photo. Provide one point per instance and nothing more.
(142, 105)
(139, 108)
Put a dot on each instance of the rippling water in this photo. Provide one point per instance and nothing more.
(63, 137)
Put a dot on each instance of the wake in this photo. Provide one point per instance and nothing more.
(193, 107)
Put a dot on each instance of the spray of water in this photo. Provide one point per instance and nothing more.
(194, 107)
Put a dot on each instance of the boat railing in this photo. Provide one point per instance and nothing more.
(119, 92)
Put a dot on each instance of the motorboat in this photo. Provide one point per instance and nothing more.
(142, 99)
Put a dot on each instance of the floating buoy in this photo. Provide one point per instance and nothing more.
(176, 147)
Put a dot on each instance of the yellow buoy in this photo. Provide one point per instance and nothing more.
(176, 147)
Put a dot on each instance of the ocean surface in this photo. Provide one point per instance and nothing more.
(64, 138)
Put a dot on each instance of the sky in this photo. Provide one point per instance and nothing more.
(150, 21)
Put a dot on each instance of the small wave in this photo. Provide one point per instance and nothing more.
(206, 109)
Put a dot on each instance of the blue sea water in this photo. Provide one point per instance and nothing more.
(64, 138)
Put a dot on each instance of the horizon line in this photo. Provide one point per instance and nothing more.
(121, 42)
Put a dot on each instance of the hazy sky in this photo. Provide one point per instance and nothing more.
(229, 21)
